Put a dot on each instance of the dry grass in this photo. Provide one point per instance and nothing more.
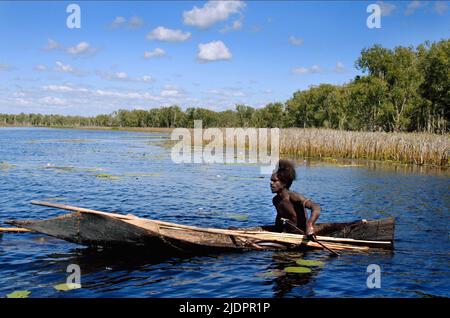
(411, 148)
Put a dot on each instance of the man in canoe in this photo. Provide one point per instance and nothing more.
(291, 206)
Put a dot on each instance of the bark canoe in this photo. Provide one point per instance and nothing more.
(102, 229)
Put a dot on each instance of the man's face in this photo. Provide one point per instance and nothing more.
(275, 184)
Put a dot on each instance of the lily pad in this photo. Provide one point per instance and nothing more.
(307, 262)
(19, 294)
(297, 270)
(66, 287)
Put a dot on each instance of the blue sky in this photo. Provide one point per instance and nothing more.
(192, 53)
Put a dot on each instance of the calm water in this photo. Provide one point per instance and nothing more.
(133, 173)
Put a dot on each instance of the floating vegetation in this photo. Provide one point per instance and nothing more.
(5, 166)
(107, 176)
(73, 140)
(297, 270)
(237, 217)
(167, 143)
(272, 273)
(66, 287)
(19, 294)
(142, 175)
(60, 168)
(307, 262)
(92, 169)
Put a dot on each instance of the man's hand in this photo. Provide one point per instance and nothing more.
(309, 229)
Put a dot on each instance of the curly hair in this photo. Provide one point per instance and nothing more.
(286, 172)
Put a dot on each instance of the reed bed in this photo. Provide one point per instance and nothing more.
(409, 148)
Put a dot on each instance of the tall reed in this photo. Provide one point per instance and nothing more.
(412, 148)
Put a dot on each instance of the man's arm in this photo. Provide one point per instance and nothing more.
(315, 211)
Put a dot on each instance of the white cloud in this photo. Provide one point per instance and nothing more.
(81, 48)
(22, 101)
(315, 69)
(64, 68)
(118, 22)
(414, 5)
(212, 12)
(135, 23)
(440, 7)
(168, 35)
(58, 88)
(169, 92)
(158, 52)
(295, 41)
(40, 68)
(236, 25)
(51, 45)
(123, 76)
(386, 8)
(52, 101)
(227, 92)
(306, 70)
(213, 51)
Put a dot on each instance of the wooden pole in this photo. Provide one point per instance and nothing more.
(13, 229)
(290, 223)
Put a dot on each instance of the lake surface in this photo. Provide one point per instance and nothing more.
(130, 172)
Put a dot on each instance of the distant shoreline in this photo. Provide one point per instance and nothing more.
(421, 149)
(133, 129)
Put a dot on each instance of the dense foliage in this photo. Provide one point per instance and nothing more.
(401, 89)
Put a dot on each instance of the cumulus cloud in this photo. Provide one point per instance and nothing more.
(52, 101)
(40, 68)
(168, 35)
(81, 48)
(64, 68)
(315, 69)
(123, 76)
(227, 92)
(134, 22)
(158, 52)
(295, 41)
(386, 8)
(118, 22)
(212, 12)
(213, 51)
(307, 70)
(236, 25)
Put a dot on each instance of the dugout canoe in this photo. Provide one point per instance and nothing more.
(103, 229)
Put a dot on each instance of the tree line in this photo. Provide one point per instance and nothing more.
(400, 89)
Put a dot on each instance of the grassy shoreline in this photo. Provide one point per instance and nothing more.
(423, 149)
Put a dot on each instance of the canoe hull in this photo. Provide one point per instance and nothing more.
(106, 231)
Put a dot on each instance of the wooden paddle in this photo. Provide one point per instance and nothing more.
(290, 223)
